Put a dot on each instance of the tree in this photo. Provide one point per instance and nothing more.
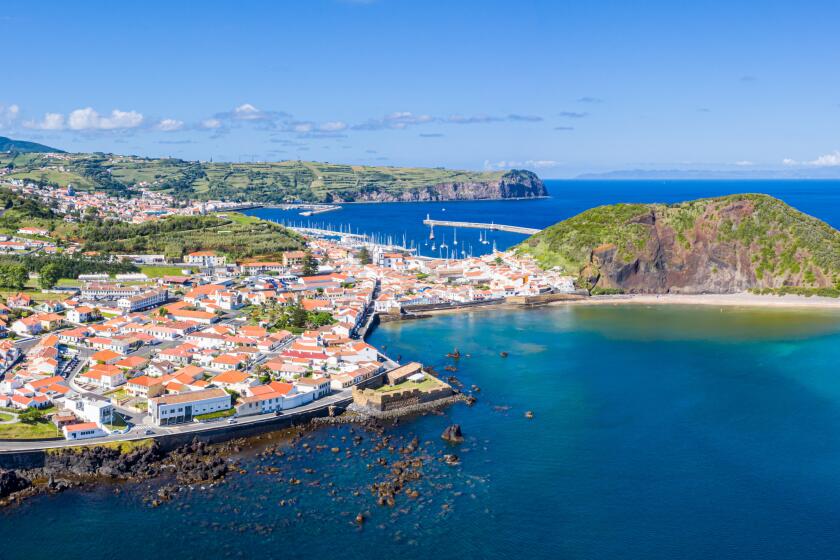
(364, 256)
(31, 416)
(297, 316)
(13, 276)
(49, 276)
(174, 251)
(310, 264)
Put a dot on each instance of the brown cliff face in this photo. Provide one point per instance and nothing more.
(666, 265)
(725, 245)
(513, 184)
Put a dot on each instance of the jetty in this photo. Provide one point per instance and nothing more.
(479, 225)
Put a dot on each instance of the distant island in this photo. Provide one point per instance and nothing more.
(719, 245)
(260, 182)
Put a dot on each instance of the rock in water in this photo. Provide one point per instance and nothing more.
(11, 482)
(453, 434)
(451, 459)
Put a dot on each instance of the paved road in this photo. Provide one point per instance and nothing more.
(138, 432)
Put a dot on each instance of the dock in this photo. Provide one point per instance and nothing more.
(478, 225)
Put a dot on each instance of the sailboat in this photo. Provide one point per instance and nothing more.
(455, 235)
(443, 244)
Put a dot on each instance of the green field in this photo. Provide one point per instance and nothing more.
(161, 271)
(231, 234)
(22, 430)
(269, 182)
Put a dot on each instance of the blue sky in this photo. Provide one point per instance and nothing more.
(558, 87)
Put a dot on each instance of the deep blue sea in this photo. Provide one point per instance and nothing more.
(658, 433)
(567, 198)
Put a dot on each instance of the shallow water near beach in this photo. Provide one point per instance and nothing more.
(658, 432)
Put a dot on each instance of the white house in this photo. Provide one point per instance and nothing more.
(206, 259)
(85, 430)
(82, 314)
(183, 407)
(143, 301)
(97, 410)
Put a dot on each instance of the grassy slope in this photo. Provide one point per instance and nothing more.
(782, 241)
(22, 430)
(267, 182)
(232, 234)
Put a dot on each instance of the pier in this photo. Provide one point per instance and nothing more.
(478, 225)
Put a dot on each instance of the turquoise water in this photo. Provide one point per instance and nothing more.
(659, 432)
(568, 198)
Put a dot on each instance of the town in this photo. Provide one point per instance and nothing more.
(221, 341)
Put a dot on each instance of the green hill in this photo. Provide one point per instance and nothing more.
(269, 182)
(233, 234)
(714, 245)
(22, 146)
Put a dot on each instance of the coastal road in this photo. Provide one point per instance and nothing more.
(138, 432)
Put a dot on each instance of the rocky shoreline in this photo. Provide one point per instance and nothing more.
(193, 463)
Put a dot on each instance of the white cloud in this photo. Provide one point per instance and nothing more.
(89, 119)
(826, 160)
(169, 125)
(211, 123)
(8, 115)
(397, 120)
(247, 112)
(332, 126)
(51, 121)
(529, 164)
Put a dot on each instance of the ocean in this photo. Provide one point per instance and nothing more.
(658, 432)
(567, 198)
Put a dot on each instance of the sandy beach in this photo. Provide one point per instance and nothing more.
(713, 300)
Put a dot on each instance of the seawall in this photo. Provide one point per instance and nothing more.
(168, 442)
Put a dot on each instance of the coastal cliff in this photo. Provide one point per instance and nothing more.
(516, 183)
(717, 245)
(262, 182)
